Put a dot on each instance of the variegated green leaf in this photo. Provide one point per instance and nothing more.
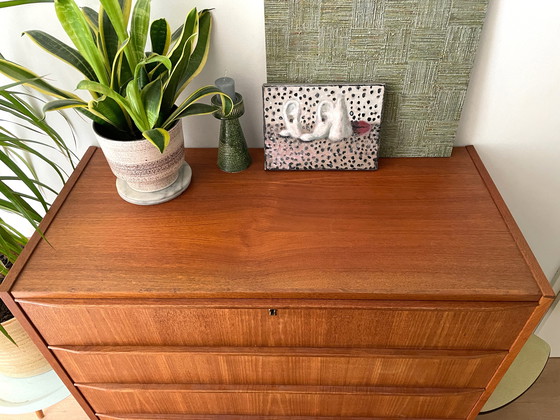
(158, 137)
(64, 104)
(117, 16)
(77, 28)
(199, 55)
(151, 97)
(16, 72)
(139, 28)
(108, 37)
(134, 99)
(160, 36)
(189, 28)
(197, 109)
(227, 103)
(11, 3)
(64, 52)
(92, 18)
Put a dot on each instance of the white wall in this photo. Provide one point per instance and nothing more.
(511, 113)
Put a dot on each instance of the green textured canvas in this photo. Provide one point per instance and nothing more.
(422, 50)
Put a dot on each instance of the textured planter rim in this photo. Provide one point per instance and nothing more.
(21, 361)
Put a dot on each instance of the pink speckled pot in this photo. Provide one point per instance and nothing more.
(141, 165)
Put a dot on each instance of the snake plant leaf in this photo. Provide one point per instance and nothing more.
(64, 52)
(227, 103)
(59, 104)
(197, 109)
(77, 28)
(189, 28)
(134, 98)
(158, 137)
(11, 3)
(151, 98)
(120, 73)
(199, 55)
(190, 64)
(126, 7)
(92, 18)
(118, 16)
(177, 33)
(139, 29)
(160, 36)
(108, 37)
(19, 73)
(138, 118)
(112, 113)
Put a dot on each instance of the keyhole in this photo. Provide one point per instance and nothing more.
(272, 312)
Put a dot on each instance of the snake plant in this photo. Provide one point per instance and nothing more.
(24, 137)
(133, 92)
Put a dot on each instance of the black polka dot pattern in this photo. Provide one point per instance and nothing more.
(357, 152)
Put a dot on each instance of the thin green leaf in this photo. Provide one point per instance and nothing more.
(5, 333)
(158, 137)
(64, 52)
(28, 182)
(160, 36)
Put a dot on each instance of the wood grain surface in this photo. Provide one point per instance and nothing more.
(443, 325)
(279, 366)
(276, 400)
(416, 229)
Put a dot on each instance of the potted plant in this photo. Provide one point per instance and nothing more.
(133, 91)
(22, 194)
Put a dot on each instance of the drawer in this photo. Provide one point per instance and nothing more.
(239, 323)
(272, 400)
(280, 366)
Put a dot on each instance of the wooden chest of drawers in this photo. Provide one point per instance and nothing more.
(402, 293)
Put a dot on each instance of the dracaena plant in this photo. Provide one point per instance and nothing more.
(24, 134)
(133, 92)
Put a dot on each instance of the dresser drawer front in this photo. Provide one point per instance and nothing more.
(280, 401)
(228, 417)
(279, 366)
(381, 325)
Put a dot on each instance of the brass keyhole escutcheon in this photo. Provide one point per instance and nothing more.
(272, 312)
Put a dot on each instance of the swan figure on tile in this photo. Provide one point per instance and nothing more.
(291, 112)
(332, 121)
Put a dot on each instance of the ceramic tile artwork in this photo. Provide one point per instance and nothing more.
(322, 126)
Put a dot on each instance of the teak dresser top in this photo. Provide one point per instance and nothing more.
(417, 229)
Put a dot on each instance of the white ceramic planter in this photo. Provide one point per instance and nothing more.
(145, 175)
